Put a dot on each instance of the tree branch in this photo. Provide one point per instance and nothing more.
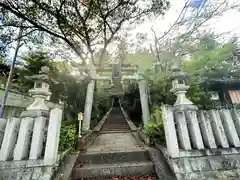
(20, 37)
(22, 16)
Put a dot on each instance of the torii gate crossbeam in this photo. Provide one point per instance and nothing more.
(91, 85)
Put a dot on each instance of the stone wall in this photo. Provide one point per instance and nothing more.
(16, 103)
(202, 144)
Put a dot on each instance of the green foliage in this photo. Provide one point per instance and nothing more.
(197, 94)
(31, 65)
(205, 60)
(155, 128)
(160, 91)
(87, 24)
(208, 60)
(100, 108)
(131, 103)
(143, 59)
(67, 136)
(4, 72)
(159, 86)
(68, 89)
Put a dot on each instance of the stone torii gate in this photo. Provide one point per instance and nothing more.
(118, 76)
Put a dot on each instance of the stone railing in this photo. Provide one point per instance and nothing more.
(196, 130)
(202, 144)
(29, 144)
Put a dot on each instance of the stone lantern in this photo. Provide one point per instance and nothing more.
(179, 88)
(40, 92)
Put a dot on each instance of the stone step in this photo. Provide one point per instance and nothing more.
(152, 177)
(114, 131)
(110, 170)
(106, 127)
(117, 125)
(103, 148)
(113, 157)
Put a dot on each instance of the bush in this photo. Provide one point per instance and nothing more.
(132, 105)
(155, 128)
(67, 136)
(99, 109)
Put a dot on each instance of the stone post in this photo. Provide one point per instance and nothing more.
(3, 123)
(88, 106)
(37, 137)
(144, 101)
(194, 129)
(236, 117)
(218, 129)
(9, 139)
(229, 128)
(53, 136)
(182, 130)
(23, 142)
(170, 132)
(207, 132)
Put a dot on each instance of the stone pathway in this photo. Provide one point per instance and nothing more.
(115, 153)
(115, 135)
(116, 142)
(115, 122)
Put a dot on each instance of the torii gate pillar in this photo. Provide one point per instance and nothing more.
(144, 101)
(89, 101)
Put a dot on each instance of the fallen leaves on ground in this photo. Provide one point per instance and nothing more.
(124, 178)
(80, 164)
(134, 178)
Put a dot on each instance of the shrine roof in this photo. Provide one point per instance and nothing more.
(216, 84)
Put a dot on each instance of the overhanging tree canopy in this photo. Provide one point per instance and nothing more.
(83, 24)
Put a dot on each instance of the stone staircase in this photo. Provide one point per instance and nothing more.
(110, 164)
(115, 122)
(115, 152)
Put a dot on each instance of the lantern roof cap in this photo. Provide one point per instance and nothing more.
(42, 76)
